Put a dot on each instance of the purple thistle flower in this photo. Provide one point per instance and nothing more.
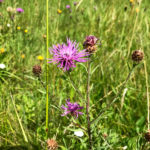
(1, 1)
(90, 40)
(72, 108)
(20, 10)
(68, 6)
(66, 55)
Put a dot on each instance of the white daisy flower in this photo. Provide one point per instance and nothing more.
(2, 66)
(125, 147)
(78, 133)
(8, 25)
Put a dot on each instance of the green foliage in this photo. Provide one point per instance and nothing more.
(120, 31)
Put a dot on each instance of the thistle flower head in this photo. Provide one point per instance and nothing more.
(75, 3)
(68, 6)
(37, 70)
(137, 55)
(71, 108)
(66, 55)
(90, 43)
(147, 136)
(52, 144)
(20, 10)
(1, 1)
(90, 40)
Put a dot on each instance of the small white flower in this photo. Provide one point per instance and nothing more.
(2, 66)
(8, 25)
(78, 133)
(125, 147)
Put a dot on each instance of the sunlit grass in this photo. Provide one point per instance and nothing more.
(121, 26)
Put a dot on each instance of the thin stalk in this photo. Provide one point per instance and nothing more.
(88, 105)
(75, 87)
(134, 28)
(116, 97)
(78, 125)
(131, 40)
(146, 76)
(42, 83)
(23, 132)
(47, 71)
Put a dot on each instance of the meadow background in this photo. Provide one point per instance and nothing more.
(122, 27)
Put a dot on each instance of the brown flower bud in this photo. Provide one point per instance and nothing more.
(147, 135)
(52, 144)
(91, 49)
(90, 44)
(37, 70)
(137, 55)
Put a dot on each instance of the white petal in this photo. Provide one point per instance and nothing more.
(125, 147)
(2, 66)
(8, 25)
(79, 133)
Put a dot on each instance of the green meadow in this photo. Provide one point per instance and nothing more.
(30, 105)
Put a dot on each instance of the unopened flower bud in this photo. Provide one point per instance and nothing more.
(137, 56)
(52, 144)
(37, 70)
(147, 136)
(90, 44)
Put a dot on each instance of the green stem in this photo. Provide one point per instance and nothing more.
(75, 87)
(47, 104)
(147, 91)
(88, 105)
(23, 132)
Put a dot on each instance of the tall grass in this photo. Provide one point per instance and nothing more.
(120, 30)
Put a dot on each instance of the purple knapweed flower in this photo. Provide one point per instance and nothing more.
(20, 10)
(71, 108)
(68, 6)
(66, 55)
(90, 40)
(1, 1)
